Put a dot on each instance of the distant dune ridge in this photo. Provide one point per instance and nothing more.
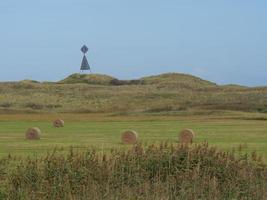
(165, 78)
(168, 78)
(90, 93)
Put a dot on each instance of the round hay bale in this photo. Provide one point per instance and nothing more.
(129, 137)
(58, 123)
(33, 133)
(186, 136)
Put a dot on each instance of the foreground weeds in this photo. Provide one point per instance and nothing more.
(164, 171)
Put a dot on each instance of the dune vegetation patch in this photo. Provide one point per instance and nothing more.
(97, 93)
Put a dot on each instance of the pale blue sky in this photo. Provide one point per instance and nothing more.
(220, 40)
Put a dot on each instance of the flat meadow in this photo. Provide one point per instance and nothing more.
(103, 132)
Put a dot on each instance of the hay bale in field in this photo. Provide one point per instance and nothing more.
(129, 137)
(58, 123)
(186, 136)
(33, 133)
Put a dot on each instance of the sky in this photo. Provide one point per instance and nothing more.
(224, 41)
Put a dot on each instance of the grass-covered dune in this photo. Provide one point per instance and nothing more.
(102, 93)
(155, 172)
(97, 79)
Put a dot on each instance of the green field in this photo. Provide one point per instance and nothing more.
(103, 132)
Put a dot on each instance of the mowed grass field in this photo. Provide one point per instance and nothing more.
(103, 132)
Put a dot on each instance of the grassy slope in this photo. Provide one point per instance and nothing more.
(99, 93)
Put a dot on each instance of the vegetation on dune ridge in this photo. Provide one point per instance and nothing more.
(177, 78)
(167, 78)
(102, 93)
(87, 78)
(155, 172)
(28, 81)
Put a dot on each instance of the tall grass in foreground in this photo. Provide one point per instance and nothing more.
(164, 171)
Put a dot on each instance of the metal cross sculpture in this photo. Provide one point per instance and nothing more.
(85, 65)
